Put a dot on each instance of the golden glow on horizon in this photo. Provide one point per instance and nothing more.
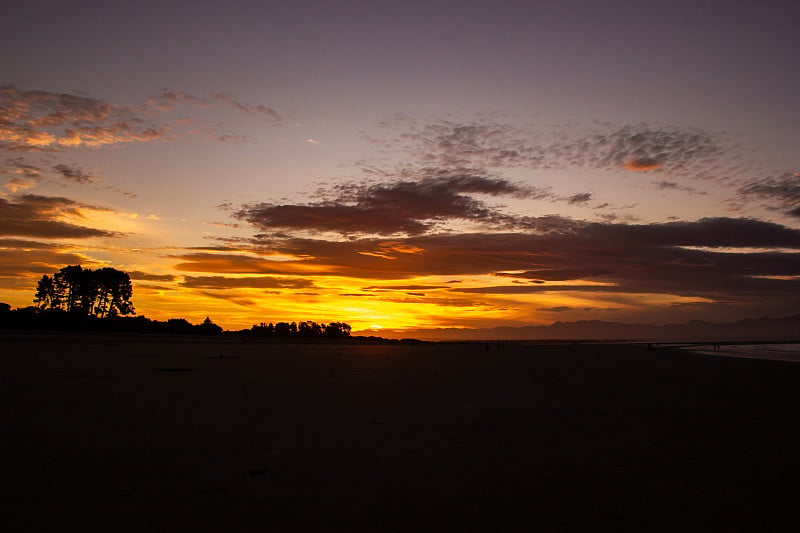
(296, 291)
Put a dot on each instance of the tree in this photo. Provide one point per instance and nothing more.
(114, 293)
(68, 287)
(337, 330)
(282, 329)
(46, 297)
(208, 327)
(103, 292)
(309, 329)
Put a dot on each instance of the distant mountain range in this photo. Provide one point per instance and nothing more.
(787, 328)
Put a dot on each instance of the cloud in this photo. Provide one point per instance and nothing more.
(400, 207)
(21, 244)
(32, 120)
(710, 258)
(392, 288)
(18, 166)
(145, 276)
(259, 109)
(565, 308)
(20, 184)
(577, 199)
(232, 298)
(223, 224)
(642, 163)
(234, 263)
(679, 151)
(73, 173)
(783, 191)
(263, 282)
(22, 261)
(168, 99)
(484, 145)
(23, 175)
(674, 186)
(46, 217)
(557, 274)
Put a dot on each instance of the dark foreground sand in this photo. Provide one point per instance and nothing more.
(142, 433)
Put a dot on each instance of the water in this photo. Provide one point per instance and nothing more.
(778, 352)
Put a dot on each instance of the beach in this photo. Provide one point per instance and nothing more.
(770, 351)
(170, 433)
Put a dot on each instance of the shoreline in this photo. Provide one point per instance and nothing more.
(789, 351)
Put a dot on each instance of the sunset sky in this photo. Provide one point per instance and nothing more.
(407, 164)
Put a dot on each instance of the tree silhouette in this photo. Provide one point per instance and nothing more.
(46, 297)
(337, 329)
(103, 292)
(113, 293)
(208, 327)
(305, 329)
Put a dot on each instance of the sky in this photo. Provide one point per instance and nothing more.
(403, 165)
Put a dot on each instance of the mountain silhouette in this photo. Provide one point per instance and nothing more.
(786, 328)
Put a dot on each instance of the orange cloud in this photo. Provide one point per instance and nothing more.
(642, 164)
(19, 184)
(34, 120)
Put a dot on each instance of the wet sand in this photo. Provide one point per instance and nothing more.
(142, 433)
(774, 352)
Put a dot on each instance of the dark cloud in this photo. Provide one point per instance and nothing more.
(679, 151)
(410, 207)
(42, 217)
(19, 244)
(783, 191)
(234, 263)
(453, 145)
(565, 308)
(674, 186)
(381, 288)
(73, 173)
(145, 276)
(264, 282)
(259, 109)
(577, 199)
(710, 232)
(557, 274)
(31, 260)
(168, 99)
(232, 298)
(616, 260)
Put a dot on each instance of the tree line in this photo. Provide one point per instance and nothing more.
(307, 329)
(82, 299)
